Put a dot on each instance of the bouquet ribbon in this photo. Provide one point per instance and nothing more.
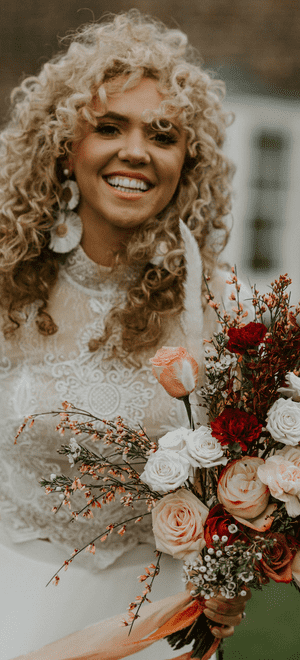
(181, 620)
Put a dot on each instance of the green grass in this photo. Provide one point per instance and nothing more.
(271, 629)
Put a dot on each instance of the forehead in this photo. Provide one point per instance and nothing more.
(136, 101)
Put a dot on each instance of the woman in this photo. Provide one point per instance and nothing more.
(107, 147)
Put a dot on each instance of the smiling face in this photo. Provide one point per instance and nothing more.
(126, 170)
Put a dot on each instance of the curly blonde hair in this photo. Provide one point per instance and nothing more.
(48, 114)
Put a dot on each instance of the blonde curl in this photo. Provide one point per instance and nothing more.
(49, 112)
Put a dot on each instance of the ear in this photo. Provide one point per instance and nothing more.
(67, 166)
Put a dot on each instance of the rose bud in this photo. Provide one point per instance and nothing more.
(176, 370)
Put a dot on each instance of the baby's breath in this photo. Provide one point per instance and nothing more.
(227, 572)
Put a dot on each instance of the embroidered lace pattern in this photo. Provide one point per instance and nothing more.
(37, 373)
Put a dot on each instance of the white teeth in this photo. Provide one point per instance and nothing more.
(127, 184)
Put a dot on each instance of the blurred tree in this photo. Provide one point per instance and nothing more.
(261, 37)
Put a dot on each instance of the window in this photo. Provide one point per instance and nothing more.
(267, 199)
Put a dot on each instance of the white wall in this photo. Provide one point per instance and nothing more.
(253, 113)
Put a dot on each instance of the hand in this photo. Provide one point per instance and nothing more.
(228, 613)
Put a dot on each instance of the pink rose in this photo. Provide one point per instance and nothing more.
(241, 491)
(178, 524)
(282, 477)
(176, 370)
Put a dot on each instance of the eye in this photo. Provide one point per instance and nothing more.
(164, 137)
(108, 130)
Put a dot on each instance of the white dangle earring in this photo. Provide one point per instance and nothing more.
(67, 231)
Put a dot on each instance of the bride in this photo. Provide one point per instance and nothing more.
(116, 138)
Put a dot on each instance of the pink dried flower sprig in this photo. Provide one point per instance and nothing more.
(102, 478)
(148, 578)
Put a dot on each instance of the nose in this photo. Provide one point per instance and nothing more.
(134, 149)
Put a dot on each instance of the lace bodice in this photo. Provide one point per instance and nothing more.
(37, 373)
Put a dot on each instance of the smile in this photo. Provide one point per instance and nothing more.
(124, 184)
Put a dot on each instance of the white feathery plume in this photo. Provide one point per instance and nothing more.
(193, 314)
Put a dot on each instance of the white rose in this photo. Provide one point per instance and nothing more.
(284, 421)
(293, 386)
(203, 450)
(174, 439)
(165, 470)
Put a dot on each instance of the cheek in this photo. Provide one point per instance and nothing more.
(87, 152)
(171, 177)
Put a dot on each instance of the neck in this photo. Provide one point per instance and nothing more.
(102, 241)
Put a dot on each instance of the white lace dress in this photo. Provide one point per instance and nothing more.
(37, 373)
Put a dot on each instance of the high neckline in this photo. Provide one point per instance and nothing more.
(86, 272)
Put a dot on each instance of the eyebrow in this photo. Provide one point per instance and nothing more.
(125, 119)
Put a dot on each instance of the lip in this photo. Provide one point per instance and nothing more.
(129, 175)
(126, 195)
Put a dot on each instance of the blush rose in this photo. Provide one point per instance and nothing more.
(284, 421)
(283, 480)
(241, 491)
(176, 370)
(178, 524)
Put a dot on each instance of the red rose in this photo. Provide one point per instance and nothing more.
(217, 522)
(277, 561)
(234, 425)
(240, 339)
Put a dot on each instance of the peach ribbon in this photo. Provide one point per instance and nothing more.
(108, 640)
(181, 620)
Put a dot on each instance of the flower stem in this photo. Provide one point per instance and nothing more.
(220, 651)
(187, 404)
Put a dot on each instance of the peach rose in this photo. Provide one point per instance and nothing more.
(283, 479)
(241, 491)
(178, 524)
(176, 370)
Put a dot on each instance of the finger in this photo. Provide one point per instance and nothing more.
(221, 633)
(232, 606)
(230, 609)
(223, 618)
(237, 600)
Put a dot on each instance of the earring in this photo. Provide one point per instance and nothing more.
(67, 231)
(70, 196)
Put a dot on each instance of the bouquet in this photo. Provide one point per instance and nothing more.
(224, 497)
